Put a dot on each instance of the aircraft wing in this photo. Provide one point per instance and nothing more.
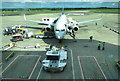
(85, 21)
(39, 22)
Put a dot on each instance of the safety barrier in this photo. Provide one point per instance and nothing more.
(25, 46)
(11, 54)
(44, 45)
(32, 46)
(112, 29)
(5, 46)
(8, 46)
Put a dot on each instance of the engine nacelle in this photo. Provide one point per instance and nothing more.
(75, 28)
(48, 28)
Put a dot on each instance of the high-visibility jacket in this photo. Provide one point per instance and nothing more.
(98, 43)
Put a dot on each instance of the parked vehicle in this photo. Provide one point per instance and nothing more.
(28, 34)
(118, 63)
(56, 60)
(16, 38)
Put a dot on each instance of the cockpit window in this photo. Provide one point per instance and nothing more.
(57, 30)
(60, 30)
(63, 30)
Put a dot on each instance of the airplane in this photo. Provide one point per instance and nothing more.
(61, 27)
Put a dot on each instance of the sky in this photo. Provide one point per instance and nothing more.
(59, 0)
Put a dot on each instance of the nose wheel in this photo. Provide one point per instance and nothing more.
(60, 41)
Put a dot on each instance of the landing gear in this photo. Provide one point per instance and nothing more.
(74, 39)
(60, 41)
(73, 36)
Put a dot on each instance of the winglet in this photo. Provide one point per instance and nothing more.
(102, 16)
(25, 17)
(63, 10)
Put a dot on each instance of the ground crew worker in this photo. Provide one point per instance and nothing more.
(103, 48)
(96, 23)
(91, 38)
(98, 45)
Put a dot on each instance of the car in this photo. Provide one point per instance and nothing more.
(16, 38)
(118, 63)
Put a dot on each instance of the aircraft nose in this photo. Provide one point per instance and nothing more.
(59, 37)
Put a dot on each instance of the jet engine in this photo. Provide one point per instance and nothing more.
(75, 28)
(48, 28)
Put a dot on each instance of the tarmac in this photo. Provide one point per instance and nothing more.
(84, 62)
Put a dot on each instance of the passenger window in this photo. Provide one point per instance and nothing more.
(44, 19)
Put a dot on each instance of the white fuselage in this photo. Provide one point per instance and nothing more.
(60, 28)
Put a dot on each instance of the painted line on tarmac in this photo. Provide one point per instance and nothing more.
(95, 62)
(39, 73)
(9, 64)
(100, 68)
(80, 64)
(29, 55)
(16, 78)
(34, 67)
(9, 55)
(72, 65)
(86, 56)
(14, 60)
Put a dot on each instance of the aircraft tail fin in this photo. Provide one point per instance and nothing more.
(63, 10)
(25, 17)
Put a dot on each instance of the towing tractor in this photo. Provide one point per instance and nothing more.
(56, 60)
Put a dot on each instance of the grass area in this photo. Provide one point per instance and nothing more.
(28, 12)
(105, 11)
(36, 11)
